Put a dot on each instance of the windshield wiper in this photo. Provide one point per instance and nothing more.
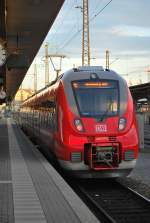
(102, 117)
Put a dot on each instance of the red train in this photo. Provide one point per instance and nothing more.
(87, 120)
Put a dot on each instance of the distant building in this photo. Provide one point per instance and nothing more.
(21, 95)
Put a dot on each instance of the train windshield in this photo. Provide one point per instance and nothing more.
(97, 99)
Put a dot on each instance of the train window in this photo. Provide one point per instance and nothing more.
(96, 99)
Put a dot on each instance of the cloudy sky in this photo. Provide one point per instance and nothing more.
(123, 28)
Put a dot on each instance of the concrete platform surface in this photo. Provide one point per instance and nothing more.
(30, 188)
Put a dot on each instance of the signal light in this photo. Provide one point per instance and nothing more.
(122, 124)
(79, 125)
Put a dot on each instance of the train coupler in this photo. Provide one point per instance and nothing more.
(100, 157)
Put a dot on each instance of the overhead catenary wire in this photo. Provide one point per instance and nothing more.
(70, 30)
(93, 17)
(101, 10)
(59, 26)
(96, 6)
(73, 27)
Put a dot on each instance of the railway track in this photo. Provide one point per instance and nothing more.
(109, 200)
(112, 202)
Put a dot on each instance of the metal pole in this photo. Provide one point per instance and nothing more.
(107, 60)
(46, 65)
(35, 78)
(60, 62)
(21, 88)
(85, 35)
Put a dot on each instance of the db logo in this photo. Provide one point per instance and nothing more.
(101, 128)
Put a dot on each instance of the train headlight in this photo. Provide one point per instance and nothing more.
(79, 125)
(122, 124)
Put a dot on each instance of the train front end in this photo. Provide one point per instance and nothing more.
(100, 136)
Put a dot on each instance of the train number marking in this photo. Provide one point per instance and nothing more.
(101, 128)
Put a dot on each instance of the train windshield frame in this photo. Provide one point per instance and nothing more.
(97, 98)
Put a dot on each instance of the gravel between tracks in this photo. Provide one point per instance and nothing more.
(139, 179)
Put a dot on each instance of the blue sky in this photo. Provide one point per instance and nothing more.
(123, 28)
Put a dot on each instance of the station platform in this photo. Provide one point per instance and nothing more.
(147, 138)
(30, 188)
(139, 178)
(141, 172)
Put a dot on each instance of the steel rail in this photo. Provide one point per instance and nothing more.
(115, 202)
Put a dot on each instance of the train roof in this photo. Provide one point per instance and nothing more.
(97, 72)
(92, 72)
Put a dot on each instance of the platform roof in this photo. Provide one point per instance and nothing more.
(140, 91)
(24, 25)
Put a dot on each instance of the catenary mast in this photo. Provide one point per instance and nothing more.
(85, 35)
